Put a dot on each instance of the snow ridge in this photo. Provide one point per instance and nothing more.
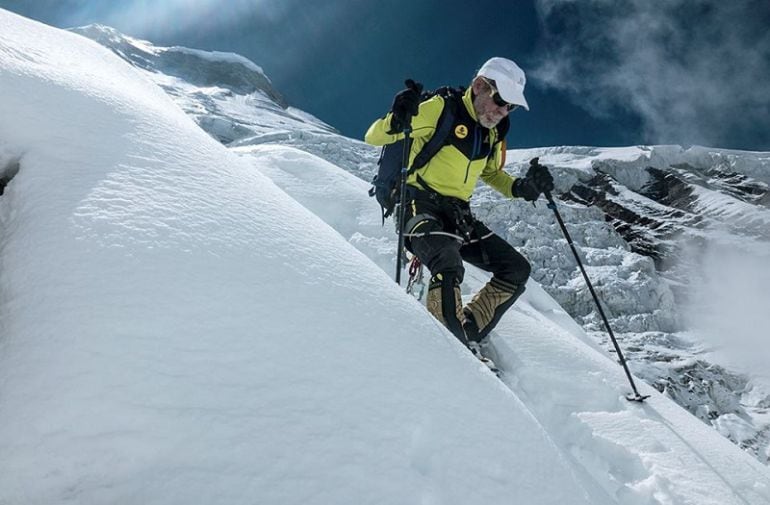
(219, 90)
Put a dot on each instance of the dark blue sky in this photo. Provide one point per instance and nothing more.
(600, 73)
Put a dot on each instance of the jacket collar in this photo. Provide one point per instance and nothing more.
(468, 101)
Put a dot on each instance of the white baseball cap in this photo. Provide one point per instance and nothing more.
(509, 79)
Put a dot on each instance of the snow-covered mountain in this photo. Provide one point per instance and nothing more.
(230, 97)
(219, 90)
(188, 323)
(652, 221)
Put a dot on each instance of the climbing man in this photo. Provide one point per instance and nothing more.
(439, 227)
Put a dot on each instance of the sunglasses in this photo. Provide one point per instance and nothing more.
(497, 99)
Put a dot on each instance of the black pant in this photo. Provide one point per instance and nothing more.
(428, 214)
(442, 232)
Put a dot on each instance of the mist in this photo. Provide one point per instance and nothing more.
(729, 303)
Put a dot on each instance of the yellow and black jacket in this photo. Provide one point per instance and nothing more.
(471, 151)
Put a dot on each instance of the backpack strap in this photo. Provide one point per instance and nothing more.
(502, 129)
(439, 137)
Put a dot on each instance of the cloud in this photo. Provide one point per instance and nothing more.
(694, 71)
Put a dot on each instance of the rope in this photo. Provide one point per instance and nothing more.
(447, 234)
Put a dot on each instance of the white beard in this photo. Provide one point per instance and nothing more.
(486, 122)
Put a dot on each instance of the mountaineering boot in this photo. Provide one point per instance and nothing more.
(445, 303)
(475, 349)
(487, 307)
(470, 326)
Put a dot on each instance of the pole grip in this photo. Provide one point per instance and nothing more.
(417, 87)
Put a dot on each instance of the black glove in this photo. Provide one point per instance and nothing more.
(405, 105)
(538, 180)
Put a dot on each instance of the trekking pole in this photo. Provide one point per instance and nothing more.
(636, 397)
(402, 183)
(402, 206)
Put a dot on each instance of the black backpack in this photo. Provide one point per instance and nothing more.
(386, 187)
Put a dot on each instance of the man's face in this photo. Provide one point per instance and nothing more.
(487, 111)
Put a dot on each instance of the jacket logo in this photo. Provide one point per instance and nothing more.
(461, 131)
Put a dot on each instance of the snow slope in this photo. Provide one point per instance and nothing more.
(177, 328)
